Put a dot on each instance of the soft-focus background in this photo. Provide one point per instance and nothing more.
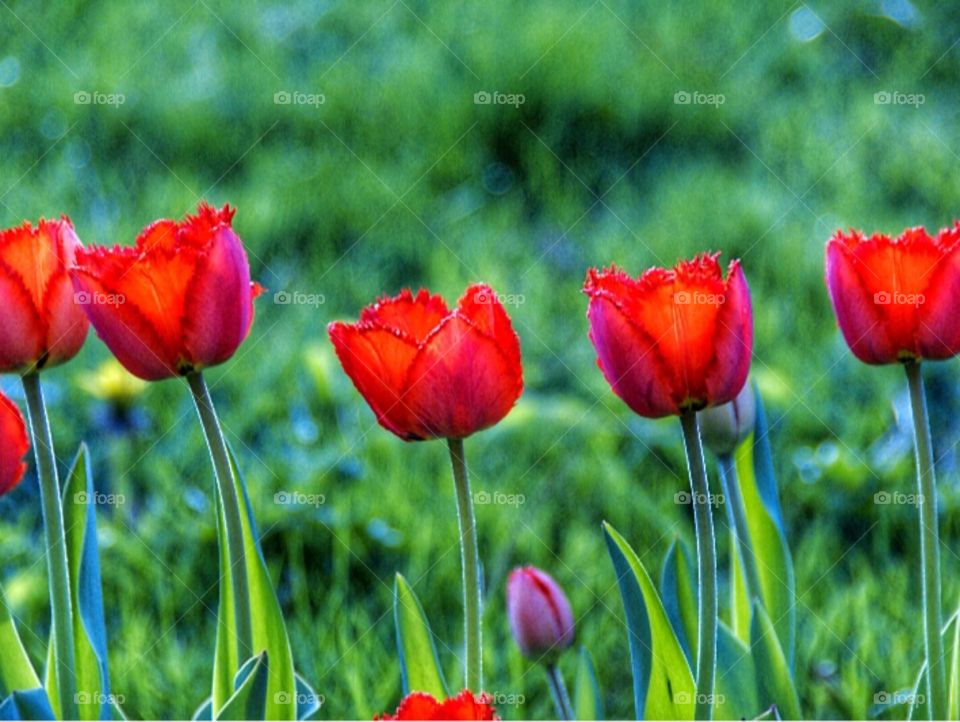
(646, 132)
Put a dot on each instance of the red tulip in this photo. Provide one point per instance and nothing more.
(429, 372)
(896, 299)
(423, 706)
(13, 445)
(672, 340)
(40, 325)
(179, 301)
(540, 616)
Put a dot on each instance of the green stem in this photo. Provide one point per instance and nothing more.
(57, 567)
(558, 690)
(929, 544)
(748, 559)
(470, 560)
(706, 567)
(231, 508)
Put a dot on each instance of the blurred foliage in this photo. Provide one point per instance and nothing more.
(398, 178)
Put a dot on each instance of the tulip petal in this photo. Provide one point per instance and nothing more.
(482, 307)
(13, 445)
(938, 334)
(460, 381)
(629, 361)
(21, 328)
(218, 310)
(733, 340)
(415, 316)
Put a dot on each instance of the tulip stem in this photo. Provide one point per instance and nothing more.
(470, 560)
(558, 690)
(223, 472)
(57, 566)
(748, 559)
(929, 544)
(706, 567)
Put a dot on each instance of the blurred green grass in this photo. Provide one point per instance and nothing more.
(399, 179)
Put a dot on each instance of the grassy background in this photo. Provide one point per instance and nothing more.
(399, 179)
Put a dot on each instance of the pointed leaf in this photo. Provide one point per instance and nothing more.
(269, 629)
(663, 686)
(678, 586)
(774, 681)
(587, 699)
(308, 701)
(249, 701)
(917, 697)
(758, 487)
(31, 704)
(83, 557)
(419, 662)
(16, 670)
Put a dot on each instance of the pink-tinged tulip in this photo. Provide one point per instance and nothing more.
(672, 340)
(14, 445)
(40, 325)
(896, 298)
(540, 616)
(179, 301)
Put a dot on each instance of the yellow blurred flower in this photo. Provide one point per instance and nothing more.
(113, 383)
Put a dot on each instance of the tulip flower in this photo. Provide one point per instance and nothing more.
(674, 342)
(40, 324)
(542, 624)
(13, 445)
(179, 301)
(428, 372)
(423, 706)
(896, 301)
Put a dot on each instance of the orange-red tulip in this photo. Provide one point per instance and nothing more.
(40, 325)
(429, 372)
(13, 445)
(896, 298)
(672, 340)
(179, 301)
(423, 706)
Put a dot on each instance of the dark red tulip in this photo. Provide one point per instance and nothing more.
(429, 372)
(40, 325)
(179, 301)
(540, 615)
(896, 298)
(14, 445)
(423, 706)
(672, 340)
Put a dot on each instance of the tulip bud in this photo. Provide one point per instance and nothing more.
(540, 616)
(723, 428)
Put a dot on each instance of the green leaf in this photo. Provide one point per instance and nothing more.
(587, 699)
(308, 701)
(774, 681)
(739, 599)
(86, 594)
(269, 629)
(663, 686)
(30, 704)
(419, 662)
(249, 700)
(758, 487)
(735, 686)
(917, 697)
(16, 671)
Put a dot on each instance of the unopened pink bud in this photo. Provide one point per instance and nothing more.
(540, 616)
